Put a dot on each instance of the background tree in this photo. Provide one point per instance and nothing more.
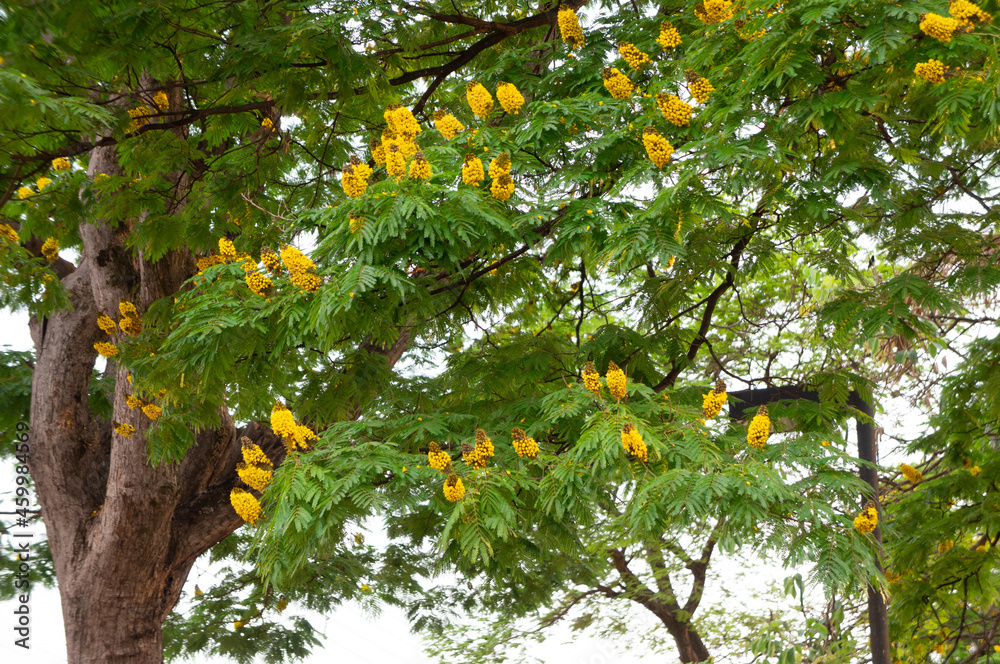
(162, 148)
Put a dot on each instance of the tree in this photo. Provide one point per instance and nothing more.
(636, 202)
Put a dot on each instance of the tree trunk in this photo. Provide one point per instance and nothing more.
(689, 643)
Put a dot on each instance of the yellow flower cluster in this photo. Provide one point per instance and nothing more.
(401, 122)
(945, 546)
(106, 349)
(759, 429)
(482, 452)
(635, 58)
(658, 148)
(50, 249)
(206, 262)
(24, 192)
(699, 87)
(438, 458)
(378, 151)
(9, 234)
(503, 187)
(454, 489)
(714, 11)
(124, 430)
(500, 165)
(300, 268)
(865, 522)
(975, 470)
(712, 402)
(447, 124)
(616, 381)
(674, 110)
(510, 97)
(152, 411)
(911, 473)
(106, 324)
(252, 454)
(249, 510)
(258, 282)
(420, 169)
(129, 323)
(133, 402)
(931, 71)
(968, 13)
(395, 162)
(353, 184)
(60, 164)
(669, 37)
(633, 443)
(617, 83)
(524, 445)
(270, 260)
(267, 124)
(227, 249)
(254, 476)
(569, 28)
(591, 378)
(283, 424)
(472, 170)
(42, 183)
(140, 116)
(160, 101)
(939, 27)
(479, 98)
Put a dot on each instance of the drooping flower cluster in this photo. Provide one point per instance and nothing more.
(140, 116)
(633, 443)
(24, 192)
(205, 262)
(591, 378)
(939, 27)
(60, 164)
(256, 470)
(249, 510)
(635, 58)
(616, 381)
(401, 122)
(479, 98)
(227, 249)
(714, 11)
(674, 110)
(9, 234)
(292, 435)
(106, 349)
(447, 124)
(50, 249)
(699, 87)
(352, 181)
(482, 452)
(377, 149)
(617, 83)
(503, 185)
(669, 36)
(569, 28)
(300, 269)
(129, 323)
(712, 402)
(472, 170)
(911, 473)
(454, 489)
(931, 71)
(124, 430)
(150, 410)
(759, 429)
(658, 148)
(270, 260)
(395, 162)
(968, 13)
(438, 458)
(258, 282)
(161, 101)
(420, 169)
(510, 97)
(865, 522)
(106, 324)
(524, 445)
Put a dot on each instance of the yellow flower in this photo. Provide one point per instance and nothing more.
(699, 87)
(616, 381)
(931, 71)
(713, 401)
(975, 470)
(252, 454)
(50, 249)
(395, 162)
(866, 522)
(503, 187)
(472, 170)
(633, 443)
(437, 458)
(24, 192)
(258, 282)
(500, 165)
(283, 424)
(479, 98)
(525, 446)
(133, 402)
(420, 169)
(60, 164)
(353, 185)
(454, 489)
(378, 152)
(714, 11)
(267, 124)
(591, 379)
(569, 28)
(124, 430)
(911, 473)
(248, 508)
(300, 269)
(759, 429)
(131, 326)
(255, 477)
(140, 116)
(9, 233)
(617, 83)
(105, 349)
(227, 249)
(42, 183)
(669, 37)
(658, 148)
(270, 260)
(106, 324)
(968, 13)
(152, 411)
(635, 58)
(939, 27)
(674, 110)
(126, 308)
(447, 124)
(401, 122)
(510, 98)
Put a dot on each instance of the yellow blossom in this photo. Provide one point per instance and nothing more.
(472, 170)
(61, 164)
(524, 445)
(569, 28)
(510, 98)
(454, 489)
(591, 378)
(248, 508)
(713, 401)
(105, 349)
(759, 429)
(635, 58)
(658, 148)
(50, 249)
(674, 110)
(669, 36)
(633, 443)
(616, 381)
(479, 98)
(447, 124)
(617, 83)
(9, 234)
